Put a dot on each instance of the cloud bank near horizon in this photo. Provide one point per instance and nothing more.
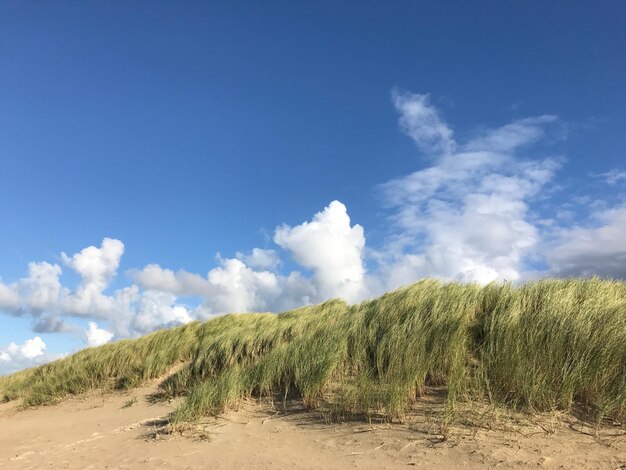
(470, 215)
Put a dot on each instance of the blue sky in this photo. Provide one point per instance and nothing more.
(259, 156)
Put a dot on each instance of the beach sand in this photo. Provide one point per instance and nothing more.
(98, 432)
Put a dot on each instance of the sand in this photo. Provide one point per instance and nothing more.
(98, 432)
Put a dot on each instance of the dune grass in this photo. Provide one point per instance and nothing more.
(545, 345)
(121, 365)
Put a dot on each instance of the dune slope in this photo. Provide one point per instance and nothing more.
(547, 345)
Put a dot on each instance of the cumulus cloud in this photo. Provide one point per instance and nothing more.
(30, 353)
(42, 296)
(328, 245)
(97, 336)
(31, 348)
(259, 258)
(9, 298)
(42, 289)
(96, 267)
(232, 286)
(239, 288)
(158, 310)
(332, 248)
(154, 277)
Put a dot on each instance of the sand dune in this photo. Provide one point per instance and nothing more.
(98, 432)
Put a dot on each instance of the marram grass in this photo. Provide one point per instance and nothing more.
(545, 345)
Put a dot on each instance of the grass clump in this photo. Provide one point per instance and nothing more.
(551, 344)
(554, 344)
(130, 402)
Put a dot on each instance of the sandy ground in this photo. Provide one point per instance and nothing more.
(98, 432)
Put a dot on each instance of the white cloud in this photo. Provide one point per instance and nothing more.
(260, 259)
(511, 136)
(230, 287)
(466, 217)
(422, 122)
(32, 348)
(97, 336)
(124, 309)
(96, 266)
(9, 298)
(612, 177)
(26, 353)
(154, 277)
(42, 296)
(158, 310)
(328, 245)
(233, 286)
(31, 352)
(332, 249)
(42, 289)
(240, 288)
(595, 248)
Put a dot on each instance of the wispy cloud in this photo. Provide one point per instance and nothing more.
(467, 216)
(422, 122)
(612, 177)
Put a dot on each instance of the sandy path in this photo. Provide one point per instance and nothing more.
(98, 433)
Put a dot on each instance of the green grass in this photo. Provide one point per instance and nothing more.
(546, 345)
